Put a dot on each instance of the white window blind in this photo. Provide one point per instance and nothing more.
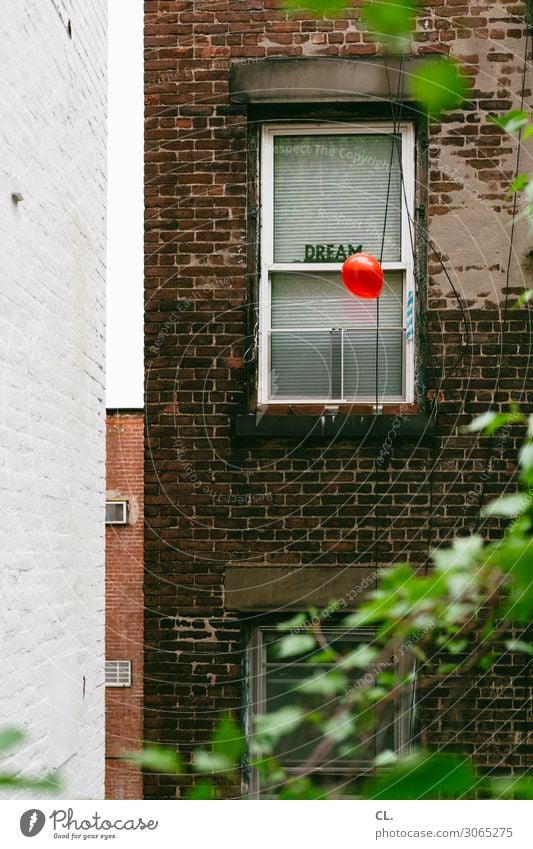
(323, 340)
(332, 189)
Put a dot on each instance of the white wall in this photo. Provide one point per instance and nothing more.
(52, 483)
(125, 261)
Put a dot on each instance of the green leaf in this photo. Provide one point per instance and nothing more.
(519, 647)
(338, 730)
(490, 422)
(270, 727)
(10, 738)
(463, 553)
(288, 624)
(509, 505)
(202, 791)
(511, 122)
(514, 787)
(386, 758)
(211, 762)
(524, 298)
(518, 184)
(301, 788)
(514, 555)
(294, 644)
(438, 85)
(327, 684)
(361, 658)
(425, 776)
(392, 20)
(456, 646)
(228, 741)
(327, 655)
(488, 661)
(525, 457)
(318, 8)
(156, 759)
(51, 783)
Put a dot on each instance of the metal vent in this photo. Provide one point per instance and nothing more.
(116, 512)
(118, 673)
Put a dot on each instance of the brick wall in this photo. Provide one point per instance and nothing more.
(53, 153)
(213, 501)
(124, 601)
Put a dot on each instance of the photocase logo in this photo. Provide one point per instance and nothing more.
(32, 822)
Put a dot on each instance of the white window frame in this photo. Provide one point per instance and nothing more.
(125, 510)
(268, 266)
(256, 672)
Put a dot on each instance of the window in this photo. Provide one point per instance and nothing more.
(116, 512)
(328, 191)
(275, 683)
(118, 673)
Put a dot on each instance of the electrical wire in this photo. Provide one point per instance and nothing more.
(490, 448)
(396, 110)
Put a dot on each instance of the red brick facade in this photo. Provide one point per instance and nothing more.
(124, 601)
(216, 500)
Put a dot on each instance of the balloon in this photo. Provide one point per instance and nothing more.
(362, 275)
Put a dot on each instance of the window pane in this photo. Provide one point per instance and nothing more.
(330, 364)
(360, 363)
(300, 364)
(282, 688)
(332, 190)
(304, 299)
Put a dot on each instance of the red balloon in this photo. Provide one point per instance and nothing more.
(362, 275)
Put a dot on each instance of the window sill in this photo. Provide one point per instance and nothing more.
(329, 426)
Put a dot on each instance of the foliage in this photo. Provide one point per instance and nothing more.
(10, 739)
(391, 22)
(439, 85)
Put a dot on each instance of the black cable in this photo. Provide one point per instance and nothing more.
(466, 323)
(420, 232)
(384, 231)
(490, 448)
(396, 109)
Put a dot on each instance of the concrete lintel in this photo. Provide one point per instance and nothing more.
(275, 589)
(320, 80)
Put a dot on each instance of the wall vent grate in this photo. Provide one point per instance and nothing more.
(118, 673)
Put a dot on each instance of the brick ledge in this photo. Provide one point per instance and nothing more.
(330, 426)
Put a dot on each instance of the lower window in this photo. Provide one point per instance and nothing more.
(275, 683)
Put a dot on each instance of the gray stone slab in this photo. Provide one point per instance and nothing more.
(320, 80)
(278, 588)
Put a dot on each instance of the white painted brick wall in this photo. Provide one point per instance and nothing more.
(52, 482)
